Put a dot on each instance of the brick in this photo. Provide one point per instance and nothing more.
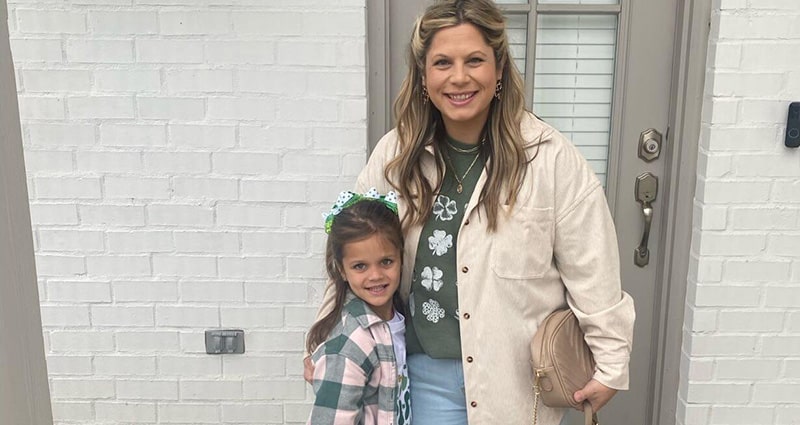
(241, 109)
(300, 317)
(36, 50)
(214, 292)
(147, 341)
(274, 191)
(274, 389)
(765, 218)
(783, 296)
(740, 139)
(184, 265)
(125, 365)
(756, 271)
(792, 369)
(51, 21)
(245, 53)
(59, 265)
(712, 345)
(747, 84)
(172, 108)
(736, 415)
(99, 51)
(252, 317)
(245, 163)
(180, 215)
(41, 107)
(58, 291)
(310, 164)
(123, 135)
(147, 390)
(297, 110)
(274, 243)
(252, 413)
(711, 217)
(727, 393)
(727, 296)
(353, 111)
(274, 138)
(722, 111)
(272, 82)
(774, 393)
(255, 267)
(127, 316)
(306, 53)
(169, 51)
(351, 53)
(40, 162)
(71, 240)
(698, 370)
(305, 216)
(94, 389)
(72, 411)
(213, 189)
(248, 216)
(211, 390)
(74, 342)
(781, 345)
(341, 139)
(118, 265)
(700, 319)
(337, 84)
(194, 23)
(182, 317)
(327, 23)
(268, 23)
(207, 242)
(277, 341)
(191, 412)
(177, 162)
(766, 166)
(100, 107)
(248, 366)
(788, 191)
(127, 412)
(190, 365)
(132, 291)
(783, 244)
(57, 80)
(353, 164)
(108, 162)
(54, 214)
(136, 188)
(61, 135)
(724, 192)
(60, 316)
(756, 321)
(116, 215)
(69, 365)
(313, 267)
(747, 369)
(731, 244)
(787, 414)
(123, 22)
(211, 136)
(127, 80)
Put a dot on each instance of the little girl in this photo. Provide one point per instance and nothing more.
(358, 349)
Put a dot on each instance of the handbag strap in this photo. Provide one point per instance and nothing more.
(589, 416)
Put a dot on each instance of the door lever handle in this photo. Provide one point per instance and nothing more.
(646, 191)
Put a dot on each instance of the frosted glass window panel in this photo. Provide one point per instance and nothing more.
(517, 29)
(574, 80)
(577, 2)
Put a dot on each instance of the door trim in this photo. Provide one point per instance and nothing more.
(694, 17)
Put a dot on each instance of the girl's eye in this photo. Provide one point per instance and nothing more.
(387, 262)
(359, 266)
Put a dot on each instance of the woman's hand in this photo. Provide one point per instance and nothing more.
(596, 393)
(308, 370)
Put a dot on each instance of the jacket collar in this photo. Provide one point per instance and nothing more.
(363, 314)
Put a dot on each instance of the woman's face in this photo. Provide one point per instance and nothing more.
(461, 75)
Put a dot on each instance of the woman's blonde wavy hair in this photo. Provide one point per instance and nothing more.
(419, 123)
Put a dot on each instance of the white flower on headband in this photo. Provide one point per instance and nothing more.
(372, 193)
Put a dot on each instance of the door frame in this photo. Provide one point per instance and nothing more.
(689, 63)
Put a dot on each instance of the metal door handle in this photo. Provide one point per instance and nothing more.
(646, 190)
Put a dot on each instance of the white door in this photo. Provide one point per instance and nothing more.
(600, 71)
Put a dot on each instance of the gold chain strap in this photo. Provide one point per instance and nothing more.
(536, 392)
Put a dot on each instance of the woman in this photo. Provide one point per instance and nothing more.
(505, 223)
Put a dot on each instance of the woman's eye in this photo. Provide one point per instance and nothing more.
(475, 60)
(440, 62)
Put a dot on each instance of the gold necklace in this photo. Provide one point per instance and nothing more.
(459, 150)
(460, 187)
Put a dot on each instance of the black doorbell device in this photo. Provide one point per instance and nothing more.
(793, 126)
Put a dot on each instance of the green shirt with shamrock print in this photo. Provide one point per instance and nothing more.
(433, 303)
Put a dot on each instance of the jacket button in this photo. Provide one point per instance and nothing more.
(466, 316)
(469, 359)
(474, 404)
(465, 269)
(466, 222)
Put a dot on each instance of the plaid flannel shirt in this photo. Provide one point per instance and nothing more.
(355, 374)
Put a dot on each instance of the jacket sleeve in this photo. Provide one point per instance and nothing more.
(587, 256)
(339, 385)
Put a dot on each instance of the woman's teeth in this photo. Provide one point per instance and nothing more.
(460, 97)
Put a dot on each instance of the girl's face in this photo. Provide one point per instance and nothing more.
(372, 269)
(461, 75)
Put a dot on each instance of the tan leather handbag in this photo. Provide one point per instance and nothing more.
(562, 363)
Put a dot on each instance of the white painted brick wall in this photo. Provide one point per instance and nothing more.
(179, 154)
(741, 335)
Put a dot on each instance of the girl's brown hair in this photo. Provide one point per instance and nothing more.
(419, 123)
(354, 223)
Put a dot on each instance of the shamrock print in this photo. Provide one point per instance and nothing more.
(432, 278)
(432, 311)
(444, 209)
(440, 242)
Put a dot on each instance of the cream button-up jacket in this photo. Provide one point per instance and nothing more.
(555, 247)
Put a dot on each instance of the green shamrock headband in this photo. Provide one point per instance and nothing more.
(348, 198)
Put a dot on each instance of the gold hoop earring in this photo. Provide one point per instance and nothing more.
(498, 89)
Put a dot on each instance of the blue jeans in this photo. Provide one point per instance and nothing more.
(437, 391)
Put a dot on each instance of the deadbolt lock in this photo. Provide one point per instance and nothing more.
(649, 145)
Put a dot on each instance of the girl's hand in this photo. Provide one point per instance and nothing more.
(308, 370)
(596, 393)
